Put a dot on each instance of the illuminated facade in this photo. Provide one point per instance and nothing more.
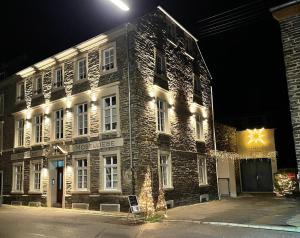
(90, 121)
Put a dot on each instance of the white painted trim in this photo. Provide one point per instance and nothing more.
(75, 189)
(14, 181)
(170, 175)
(31, 177)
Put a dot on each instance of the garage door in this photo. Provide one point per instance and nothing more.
(256, 175)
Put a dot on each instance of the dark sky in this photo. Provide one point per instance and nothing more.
(246, 62)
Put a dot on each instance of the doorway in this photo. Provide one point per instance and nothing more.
(256, 175)
(56, 177)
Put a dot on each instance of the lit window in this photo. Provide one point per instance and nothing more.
(20, 132)
(160, 63)
(82, 71)
(108, 59)
(20, 91)
(1, 104)
(58, 78)
(82, 119)
(161, 115)
(110, 113)
(165, 171)
(36, 175)
(202, 170)
(18, 177)
(59, 124)
(38, 129)
(199, 127)
(82, 174)
(111, 172)
(38, 85)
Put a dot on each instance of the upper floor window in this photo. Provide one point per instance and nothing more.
(59, 124)
(199, 127)
(108, 59)
(38, 129)
(82, 119)
(1, 104)
(18, 177)
(81, 69)
(82, 174)
(161, 115)
(58, 78)
(111, 172)
(197, 85)
(20, 133)
(160, 63)
(38, 85)
(188, 44)
(202, 170)
(21, 91)
(110, 113)
(171, 30)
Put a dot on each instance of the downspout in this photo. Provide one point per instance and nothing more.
(213, 122)
(129, 113)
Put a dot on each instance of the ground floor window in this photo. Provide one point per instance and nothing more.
(111, 172)
(18, 177)
(36, 168)
(82, 174)
(202, 170)
(165, 170)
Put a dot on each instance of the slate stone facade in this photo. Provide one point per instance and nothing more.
(136, 46)
(288, 16)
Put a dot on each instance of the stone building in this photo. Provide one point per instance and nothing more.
(288, 16)
(82, 127)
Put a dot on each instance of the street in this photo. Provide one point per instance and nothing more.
(25, 222)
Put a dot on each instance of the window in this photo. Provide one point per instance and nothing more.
(165, 171)
(82, 174)
(111, 172)
(108, 59)
(199, 128)
(171, 30)
(161, 115)
(38, 128)
(160, 61)
(188, 44)
(18, 177)
(1, 104)
(202, 170)
(59, 124)
(36, 168)
(82, 119)
(20, 133)
(81, 69)
(20, 91)
(38, 85)
(58, 78)
(110, 113)
(197, 86)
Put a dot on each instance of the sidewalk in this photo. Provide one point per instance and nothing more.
(258, 210)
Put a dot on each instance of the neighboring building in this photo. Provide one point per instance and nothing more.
(288, 16)
(84, 125)
(246, 160)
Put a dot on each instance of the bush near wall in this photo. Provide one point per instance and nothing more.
(285, 183)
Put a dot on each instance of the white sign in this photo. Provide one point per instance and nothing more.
(95, 145)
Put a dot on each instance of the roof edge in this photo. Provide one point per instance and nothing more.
(284, 5)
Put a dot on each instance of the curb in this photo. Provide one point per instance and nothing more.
(265, 227)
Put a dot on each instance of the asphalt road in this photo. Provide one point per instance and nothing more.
(23, 222)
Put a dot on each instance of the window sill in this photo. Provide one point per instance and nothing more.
(35, 192)
(37, 95)
(80, 192)
(168, 188)
(200, 140)
(87, 136)
(17, 192)
(55, 89)
(164, 133)
(79, 81)
(203, 185)
(172, 42)
(104, 72)
(110, 191)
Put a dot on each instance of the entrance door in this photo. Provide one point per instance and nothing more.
(256, 175)
(60, 176)
(1, 187)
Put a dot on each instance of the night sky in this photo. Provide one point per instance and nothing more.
(246, 62)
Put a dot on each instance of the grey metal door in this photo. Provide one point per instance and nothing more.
(256, 175)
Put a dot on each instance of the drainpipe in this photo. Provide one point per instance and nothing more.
(129, 112)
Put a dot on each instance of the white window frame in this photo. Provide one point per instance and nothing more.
(76, 158)
(37, 129)
(110, 108)
(60, 122)
(161, 116)
(113, 168)
(167, 167)
(15, 188)
(20, 93)
(202, 170)
(102, 172)
(1, 104)
(19, 133)
(199, 130)
(109, 47)
(55, 79)
(36, 89)
(85, 123)
(84, 59)
(33, 174)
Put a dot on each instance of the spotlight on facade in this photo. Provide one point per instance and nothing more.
(120, 4)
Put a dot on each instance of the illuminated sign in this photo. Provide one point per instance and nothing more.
(256, 136)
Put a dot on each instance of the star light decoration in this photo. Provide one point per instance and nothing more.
(256, 136)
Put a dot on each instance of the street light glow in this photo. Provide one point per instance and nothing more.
(120, 4)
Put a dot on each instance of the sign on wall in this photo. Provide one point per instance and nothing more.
(94, 145)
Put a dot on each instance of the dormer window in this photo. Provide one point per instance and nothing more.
(58, 78)
(38, 85)
(160, 63)
(21, 91)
